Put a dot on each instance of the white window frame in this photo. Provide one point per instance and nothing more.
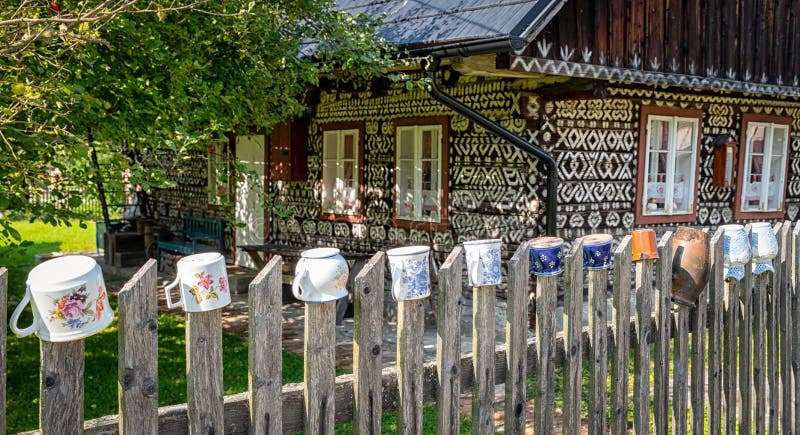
(766, 168)
(327, 171)
(417, 159)
(671, 157)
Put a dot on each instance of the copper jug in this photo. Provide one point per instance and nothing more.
(689, 265)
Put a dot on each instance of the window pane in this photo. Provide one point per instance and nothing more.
(686, 139)
(427, 175)
(348, 173)
(405, 189)
(430, 204)
(329, 185)
(777, 168)
(349, 146)
(659, 135)
(330, 143)
(405, 148)
(427, 144)
(683, 183)
(751, 200)
(756, 133)
(779, 141)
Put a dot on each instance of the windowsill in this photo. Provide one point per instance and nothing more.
(351, 218)
(421, 225)
(664, 218)
(745, 215)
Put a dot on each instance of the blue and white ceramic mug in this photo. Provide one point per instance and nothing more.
(546, 255)
(410, 268)
(597, 251)
(737, 251)
(483, 261)
(764, 246)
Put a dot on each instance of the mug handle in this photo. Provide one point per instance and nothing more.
(401, 269)
(167, 288)
(296, 284)
(15, 316)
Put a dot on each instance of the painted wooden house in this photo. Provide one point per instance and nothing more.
(650, 113)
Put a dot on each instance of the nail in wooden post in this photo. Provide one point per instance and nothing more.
(319, 368)
(663, 321)
(448, 343)
(61, 387)
(483, 332)
(746, 346)
(621, 324)
(573, 334)
(716, 296)
(138, 352)
(264, 325)
(546, 295)
(3, 345)
(410, 329)
(204, 372)
(368, 346)
(517, 340)
(598, 351)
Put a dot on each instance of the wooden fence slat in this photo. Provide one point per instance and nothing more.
(204, 390)
(61, 387)
(795, 319)
(448, 343)
(410, 324)
(773, 286)
(138, 352)
(598, 351)
(730, 351)
(319, 368)
(483, 332)
(641, 358)
(516, 340)
(573, 342)
(716, 286)
(759, 357)
(367, 345)
(680, 373)
(3, 345)
(264, 324)
(746, 347)
(621, 324)
(699, 324)
(546, 294)
(780, 295)
(663, 320)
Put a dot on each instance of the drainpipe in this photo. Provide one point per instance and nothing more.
(496, 129)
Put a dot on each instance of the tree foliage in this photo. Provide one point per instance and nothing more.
(160, 74)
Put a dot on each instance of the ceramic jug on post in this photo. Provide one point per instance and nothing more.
(689, 265)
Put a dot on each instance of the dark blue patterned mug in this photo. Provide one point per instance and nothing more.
(546, 255)
(597, 251)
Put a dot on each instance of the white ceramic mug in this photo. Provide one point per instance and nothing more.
(736, 249)
(483, 261)
(411, 278)
(68, 299)
(764, 245)
(202, 283)
(320, 276)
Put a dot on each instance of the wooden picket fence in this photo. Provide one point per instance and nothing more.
(726, 364)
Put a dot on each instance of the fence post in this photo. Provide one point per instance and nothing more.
(663, 320)
(204, 372)
(780, 297)
(264, 331)
(641, 361)
(795, 322)
(410, 324)
(3, 345)
(546, 295)
(448, 343)
(573, 338)
(680, 373)
(746, 346)
(765, 327)
(367, 346)
(716, 297)
(483, 332)
(621, 324)
(319, 367)
(138, 352)
(598, 350)
(517, 339)
(61, 387)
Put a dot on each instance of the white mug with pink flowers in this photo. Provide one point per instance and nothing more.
(202, 283)
(320, 276)
(68, 299)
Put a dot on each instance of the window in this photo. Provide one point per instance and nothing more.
(420, 171)
(668, 165)
(341, 169)
(762, 165)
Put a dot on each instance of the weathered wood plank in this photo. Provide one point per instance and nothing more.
(3, 345)
(573, 343)
(621, 321)
(61, 387)
(795, 319)
(680, 373)
(746, 347)
(662, 333)
(516, 339)
(264, 324)
(784, 290)
(367, 345)
(730, 351)
(546, 292)
(598, 351)
(641, 358)
(616, 29)
(759, 357)
(483, 326)
(448, 342)
(774, 284)
(699, 324)
(319, 368)
(636, 12)
(410, 324)
(138, 352)
(204, 390)
(716, 296)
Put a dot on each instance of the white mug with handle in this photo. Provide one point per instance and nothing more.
(410, 266)
(320, 276)
(483, 261)
(202, 281)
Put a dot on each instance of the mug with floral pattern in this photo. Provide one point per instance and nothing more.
(202, 283)
(320, 276)
(483, 262)
(410, 266)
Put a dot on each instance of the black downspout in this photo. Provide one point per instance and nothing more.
(499, 131)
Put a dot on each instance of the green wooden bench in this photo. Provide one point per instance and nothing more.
(191, 240)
